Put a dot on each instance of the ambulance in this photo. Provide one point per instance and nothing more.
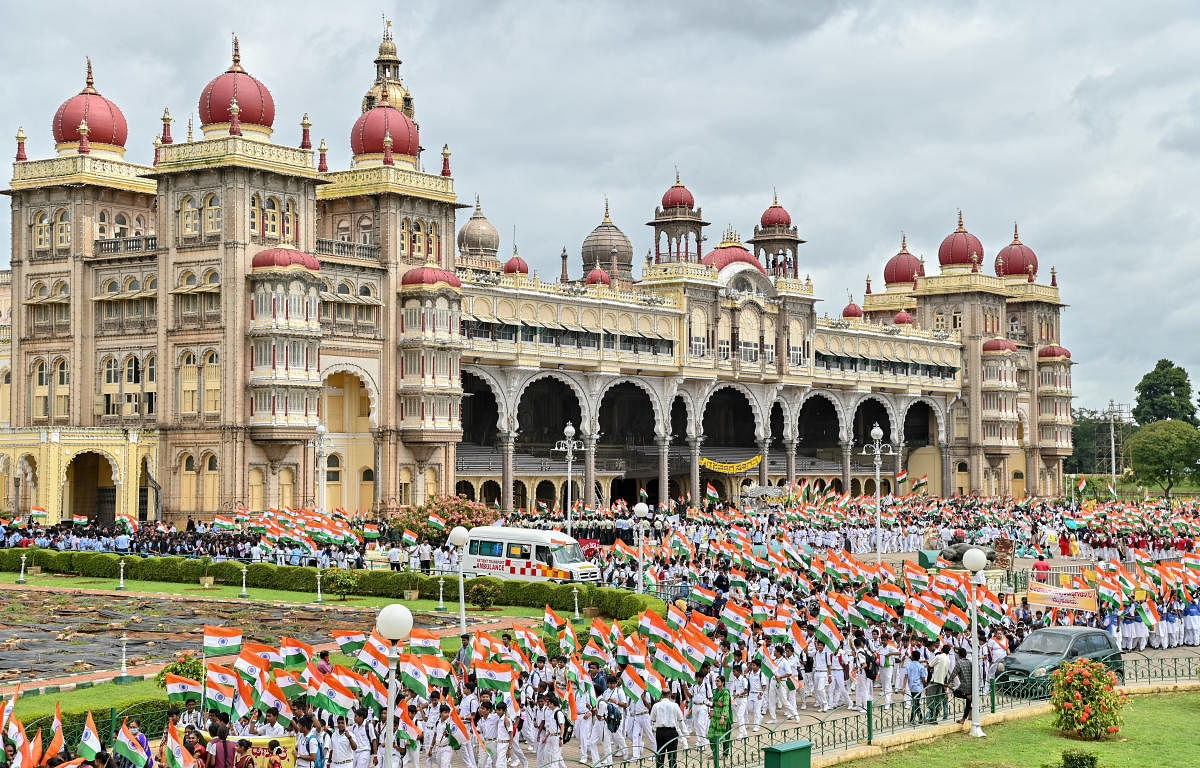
(531, 555)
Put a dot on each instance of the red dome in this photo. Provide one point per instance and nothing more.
(366, 138)
(1054, 351)
(776, 216)
(903, 267)
(999, 345)
(730, 252)
(285, 257)
(1016, 258)
(959, 246)
(852, 310)
(430, 275)
(678, 196)
(253, 99)
(105, 121)
(516, 264)
(902, 318)
(598, 277)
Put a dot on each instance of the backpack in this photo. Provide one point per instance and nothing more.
(567, 727)
(871, 668)
(613, 718)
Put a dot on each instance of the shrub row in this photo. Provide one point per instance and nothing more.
(619, 604)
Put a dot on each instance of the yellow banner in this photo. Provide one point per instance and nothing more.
(1067, 599)
(730, 469)
(262, 754)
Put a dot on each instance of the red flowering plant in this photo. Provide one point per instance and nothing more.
(451, 510)
(1086, 700)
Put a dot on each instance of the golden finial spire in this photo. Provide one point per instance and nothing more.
(305, 122)
(774, 196)
(83, 127)
(21, 133)
(678, 183)
(607, 218)
(234, 109)
(166, 118)
(477, 208)
(387, 27)
(189, 129)
(237, 57)
(1016, 236)
(961, 228)
(903, 243)
(322, 148)
(387, 139)
(89, 83)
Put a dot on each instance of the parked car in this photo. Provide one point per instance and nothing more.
(1025, 671)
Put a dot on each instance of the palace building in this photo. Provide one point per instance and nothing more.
(236, 325)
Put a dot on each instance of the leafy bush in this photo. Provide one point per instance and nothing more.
(186, 664)
(511, 592)
(339, 581)
(10, 559)
(608, 601)
(562, 598)
(455, 510)
(1086, 700)
(483, 595)
(100, 565)
(1078, 758)
(379, 583)
(228, 572)
(193, 568)
(261, 575)
(410, 580)
(536, 594)
(296, 578)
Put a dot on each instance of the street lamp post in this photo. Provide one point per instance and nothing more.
(569, 445)
(458, 538)
(878, 449)
(318, 444)
(394, 623)
(244, 593)
(640, 510)
(974, 560)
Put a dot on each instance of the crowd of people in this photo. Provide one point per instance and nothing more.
(781, 613)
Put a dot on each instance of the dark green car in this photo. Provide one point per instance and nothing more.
(1025, 672)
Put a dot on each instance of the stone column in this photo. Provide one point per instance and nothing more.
(589, 471)
(664, 470)
(764, 447)
(900, 457)
(377, 493)
(694, 467)
(506, 441)
(948, 488)
(789, 447)
(1032, 476)
(847, 446)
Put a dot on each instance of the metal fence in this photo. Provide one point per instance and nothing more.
(839, 733)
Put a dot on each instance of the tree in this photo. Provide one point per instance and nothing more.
(1164, 393)
(1082, 460)
(1165, 453)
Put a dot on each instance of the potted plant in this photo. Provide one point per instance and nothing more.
(410, 585)
(206, 581)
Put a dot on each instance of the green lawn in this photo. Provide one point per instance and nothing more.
(1158, 730)
(99, 697)
(276, 595)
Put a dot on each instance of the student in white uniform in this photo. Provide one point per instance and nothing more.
(756, 693)
(739, 690)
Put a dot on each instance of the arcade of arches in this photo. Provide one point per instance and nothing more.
(509, 453)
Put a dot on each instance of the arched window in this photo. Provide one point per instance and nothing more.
(366, 312)
(188, 359)
(289, 222)
(189, 464)
(189, 217)
(133, 284)
(255, 214)
(189, 384)
(212, 215)
(151, 367)
(133, 371)
(939, 321)
(62, 374)
(121, 226)
(333, 469)
(111, 372)
(39, 373)
(405, 233)
(41, 231)
(212, 382)
(102, 226)
(212, 463)
(152, 284)
(139, 226)
(62, 394)
(344, 289)
(62, 229)
(956, 320)
(111, 286)
(271, 218)
(343, 231)
(418, 240)
(368, 475)
(364, 230)
(431, 241)
(189, 278)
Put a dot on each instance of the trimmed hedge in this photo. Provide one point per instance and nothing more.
(618, 604)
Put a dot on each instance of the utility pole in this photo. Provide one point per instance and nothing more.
(1112, 442)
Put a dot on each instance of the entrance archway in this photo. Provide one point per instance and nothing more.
(729, 420)
(490, 493)
(818, 428)
(480, 414)
(90, 490)
(869, 413)
(545, 408)
(544, 494)
(464, 489)
(626, 419)
(520, 495)
(347, 411)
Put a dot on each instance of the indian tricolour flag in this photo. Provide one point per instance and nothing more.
(408, 537)
(413, 675)
(828, 634)
(1082, 484)
(872, 609)
(924, 621)
(182, 688)
(296, 654)
(436, 521)
(1111, 491)
(334, 697)
(711, 493)
(222, 640)
(79, 519)
(901, 476)
(496, 677)
(37, 512)
(126, 745)
(670, 663)
(273, 696)
(703, 596)
(407, 731)
(89, 740)
(423, 642)
(349, 641)
(923, 482)
(224, 523)
(891, 594)
(177, 756)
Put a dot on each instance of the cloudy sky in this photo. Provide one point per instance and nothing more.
(1080, 121)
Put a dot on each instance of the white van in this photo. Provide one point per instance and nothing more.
(523, 553)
